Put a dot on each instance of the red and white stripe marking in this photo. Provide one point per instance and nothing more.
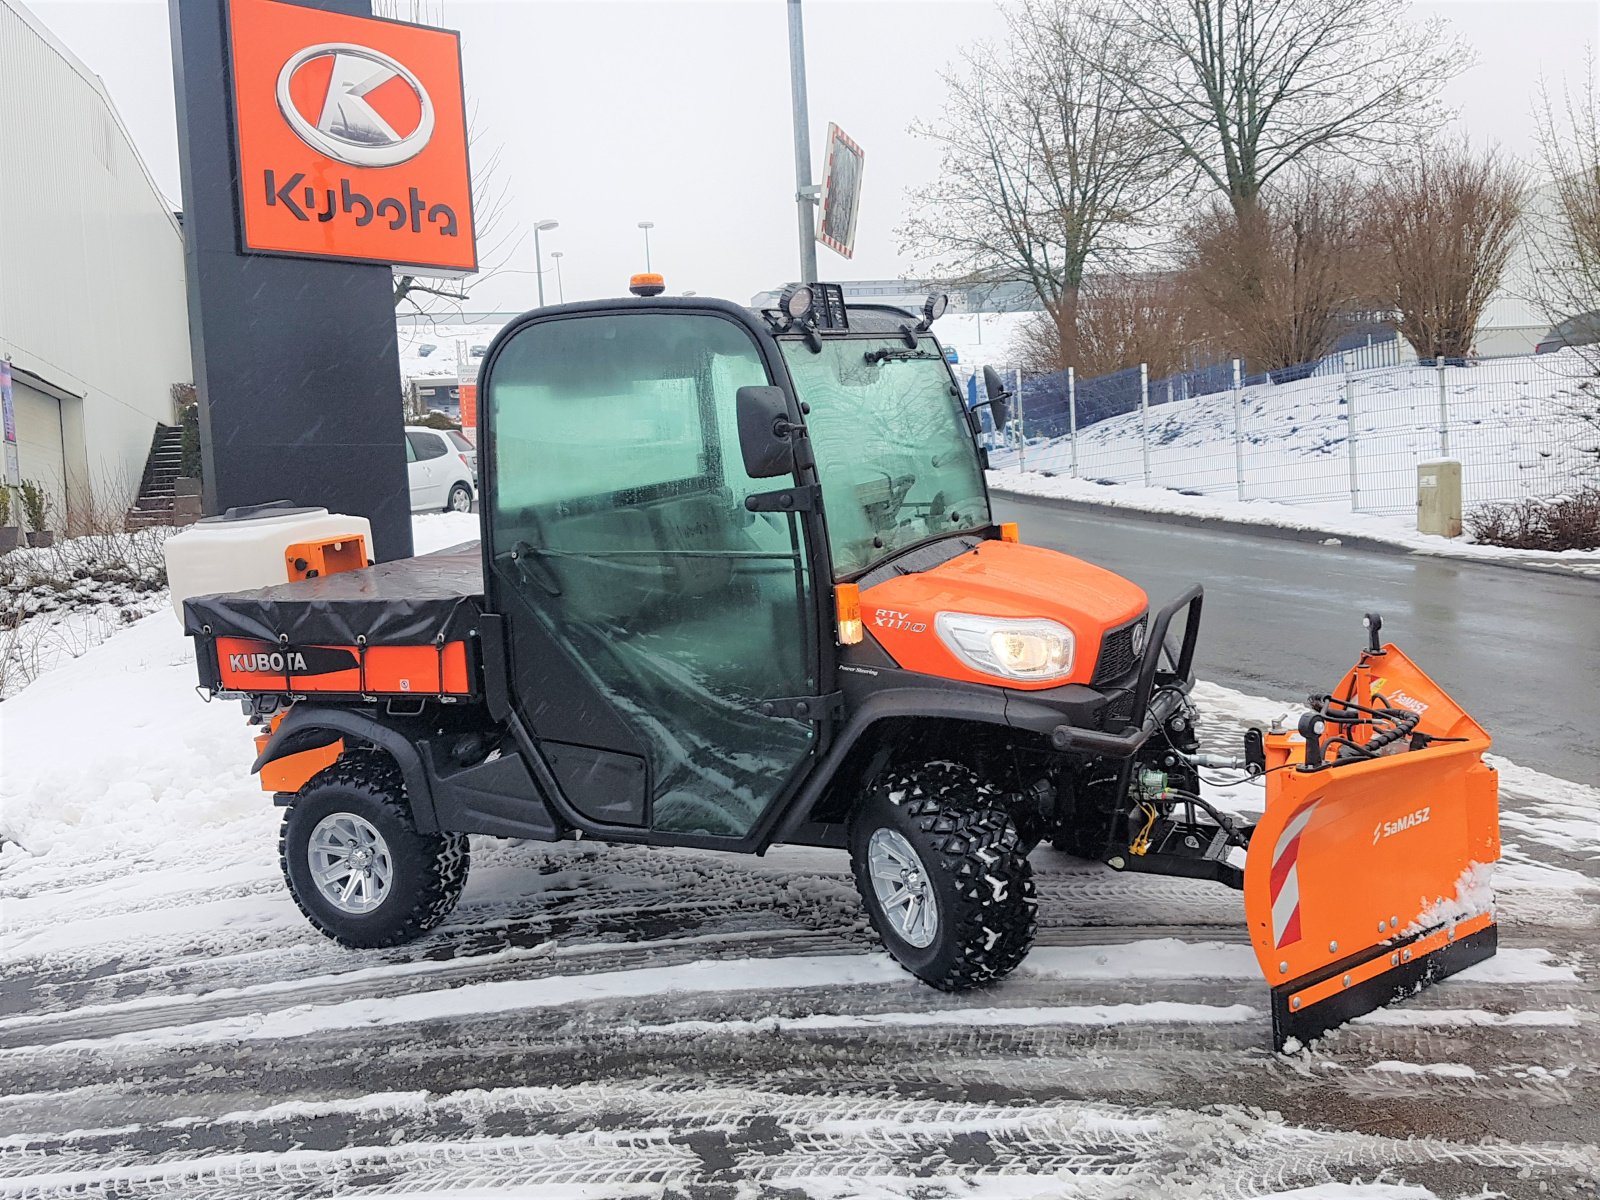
(1285, 880)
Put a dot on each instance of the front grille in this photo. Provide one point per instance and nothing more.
(1117, 655)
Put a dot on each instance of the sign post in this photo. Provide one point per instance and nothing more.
(319, 148)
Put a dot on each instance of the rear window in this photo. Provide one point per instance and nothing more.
(426, 445)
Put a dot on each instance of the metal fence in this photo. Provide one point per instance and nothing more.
(1350, 429)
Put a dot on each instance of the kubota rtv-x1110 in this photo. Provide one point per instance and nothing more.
(738, 584)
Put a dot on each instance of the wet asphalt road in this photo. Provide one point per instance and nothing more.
(1520, 650)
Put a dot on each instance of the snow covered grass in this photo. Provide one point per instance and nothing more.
(1511, 423)
(59, 601)
(1332, 520)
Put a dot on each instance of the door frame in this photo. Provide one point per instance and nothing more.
(813, 536)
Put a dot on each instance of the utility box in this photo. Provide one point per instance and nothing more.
(1439, 498)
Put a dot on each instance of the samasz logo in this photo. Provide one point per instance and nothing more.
(1405, 701)
(355, 104)
(1387, 829)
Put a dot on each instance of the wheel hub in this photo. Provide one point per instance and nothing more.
(350, 862)
(902, 887)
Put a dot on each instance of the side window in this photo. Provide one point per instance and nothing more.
(619, 530)
(426, 445)
(411, 451)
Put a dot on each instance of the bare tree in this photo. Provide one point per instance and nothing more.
(1123, 320)
(1246, 89)
(497, 237)
(1280, 285)
(1444, 223)
(1045, 171)
(1567, 232)
(1566, 237)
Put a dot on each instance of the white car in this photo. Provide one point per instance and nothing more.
(442, 468)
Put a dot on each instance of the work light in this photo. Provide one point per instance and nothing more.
(796, 302)
(934, 308)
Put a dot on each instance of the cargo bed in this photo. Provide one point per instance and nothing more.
(398, 628)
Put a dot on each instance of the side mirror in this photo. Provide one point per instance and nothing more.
(764, 440)
(994, 387)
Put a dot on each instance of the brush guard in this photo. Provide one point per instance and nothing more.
(1367, 876)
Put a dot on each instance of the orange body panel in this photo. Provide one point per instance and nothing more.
(290, 773)
(1350, 858)
(999, 579)
(325, 556)
(245, 665)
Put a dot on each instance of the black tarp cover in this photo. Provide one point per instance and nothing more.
(407, 602)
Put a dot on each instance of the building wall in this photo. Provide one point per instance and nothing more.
(91, 268)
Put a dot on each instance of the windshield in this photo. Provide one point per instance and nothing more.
(894, 455)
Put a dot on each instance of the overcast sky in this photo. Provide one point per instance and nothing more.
(609, 112)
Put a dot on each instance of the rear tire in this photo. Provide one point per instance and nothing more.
(460, 499)
(970, 871)
(355, 863)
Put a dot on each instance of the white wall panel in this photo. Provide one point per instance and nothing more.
(91, 259)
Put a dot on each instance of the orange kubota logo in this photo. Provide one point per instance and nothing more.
(351, 138)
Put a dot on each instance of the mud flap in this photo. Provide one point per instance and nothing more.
(1368, 879)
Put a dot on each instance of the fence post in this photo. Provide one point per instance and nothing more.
(1072, 417)
(1238, 433)
(1022, 430)
(1350, 438)
(1444, 411)
(1144, 417)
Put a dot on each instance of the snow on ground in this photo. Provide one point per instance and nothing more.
(1512, 423)
(1330, 520)
(632, 1021)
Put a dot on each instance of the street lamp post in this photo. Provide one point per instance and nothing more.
(538, 259)
(805, 192)
(561, 292)
(647, 226)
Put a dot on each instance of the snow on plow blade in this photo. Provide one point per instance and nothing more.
(1368, 876)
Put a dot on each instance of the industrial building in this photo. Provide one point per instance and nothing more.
(93, 314)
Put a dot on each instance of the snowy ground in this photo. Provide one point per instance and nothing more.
(1330, 520)
(1511, 423)
(597, 1021)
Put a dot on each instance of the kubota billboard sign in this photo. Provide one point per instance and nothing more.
(352, 138)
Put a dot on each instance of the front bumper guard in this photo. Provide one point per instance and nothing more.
(1143, 723)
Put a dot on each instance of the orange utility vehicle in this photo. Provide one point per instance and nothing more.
(738, 584)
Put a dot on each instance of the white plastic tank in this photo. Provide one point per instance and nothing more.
(244, 547)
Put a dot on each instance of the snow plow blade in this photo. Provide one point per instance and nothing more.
(1368, 876)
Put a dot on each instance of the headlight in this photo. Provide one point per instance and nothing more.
(1018, 649)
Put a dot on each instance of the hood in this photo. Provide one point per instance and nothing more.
(1000, 579)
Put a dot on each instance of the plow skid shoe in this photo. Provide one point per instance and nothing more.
(1368, 878)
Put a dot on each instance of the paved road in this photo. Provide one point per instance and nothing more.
(1520, 650)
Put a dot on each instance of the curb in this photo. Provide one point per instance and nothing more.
(1288, 534)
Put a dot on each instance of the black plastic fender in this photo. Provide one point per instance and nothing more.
(307, 727)
(962, 702)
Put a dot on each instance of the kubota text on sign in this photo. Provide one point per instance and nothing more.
(352, 138)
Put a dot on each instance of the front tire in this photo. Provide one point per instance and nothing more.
(356, 865)
(944, 875)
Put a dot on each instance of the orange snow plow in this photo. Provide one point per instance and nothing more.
(1368, 876)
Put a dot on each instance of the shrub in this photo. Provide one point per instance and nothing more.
(5, 505)
(436, 420)
(35, 505)
(1566, 523)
